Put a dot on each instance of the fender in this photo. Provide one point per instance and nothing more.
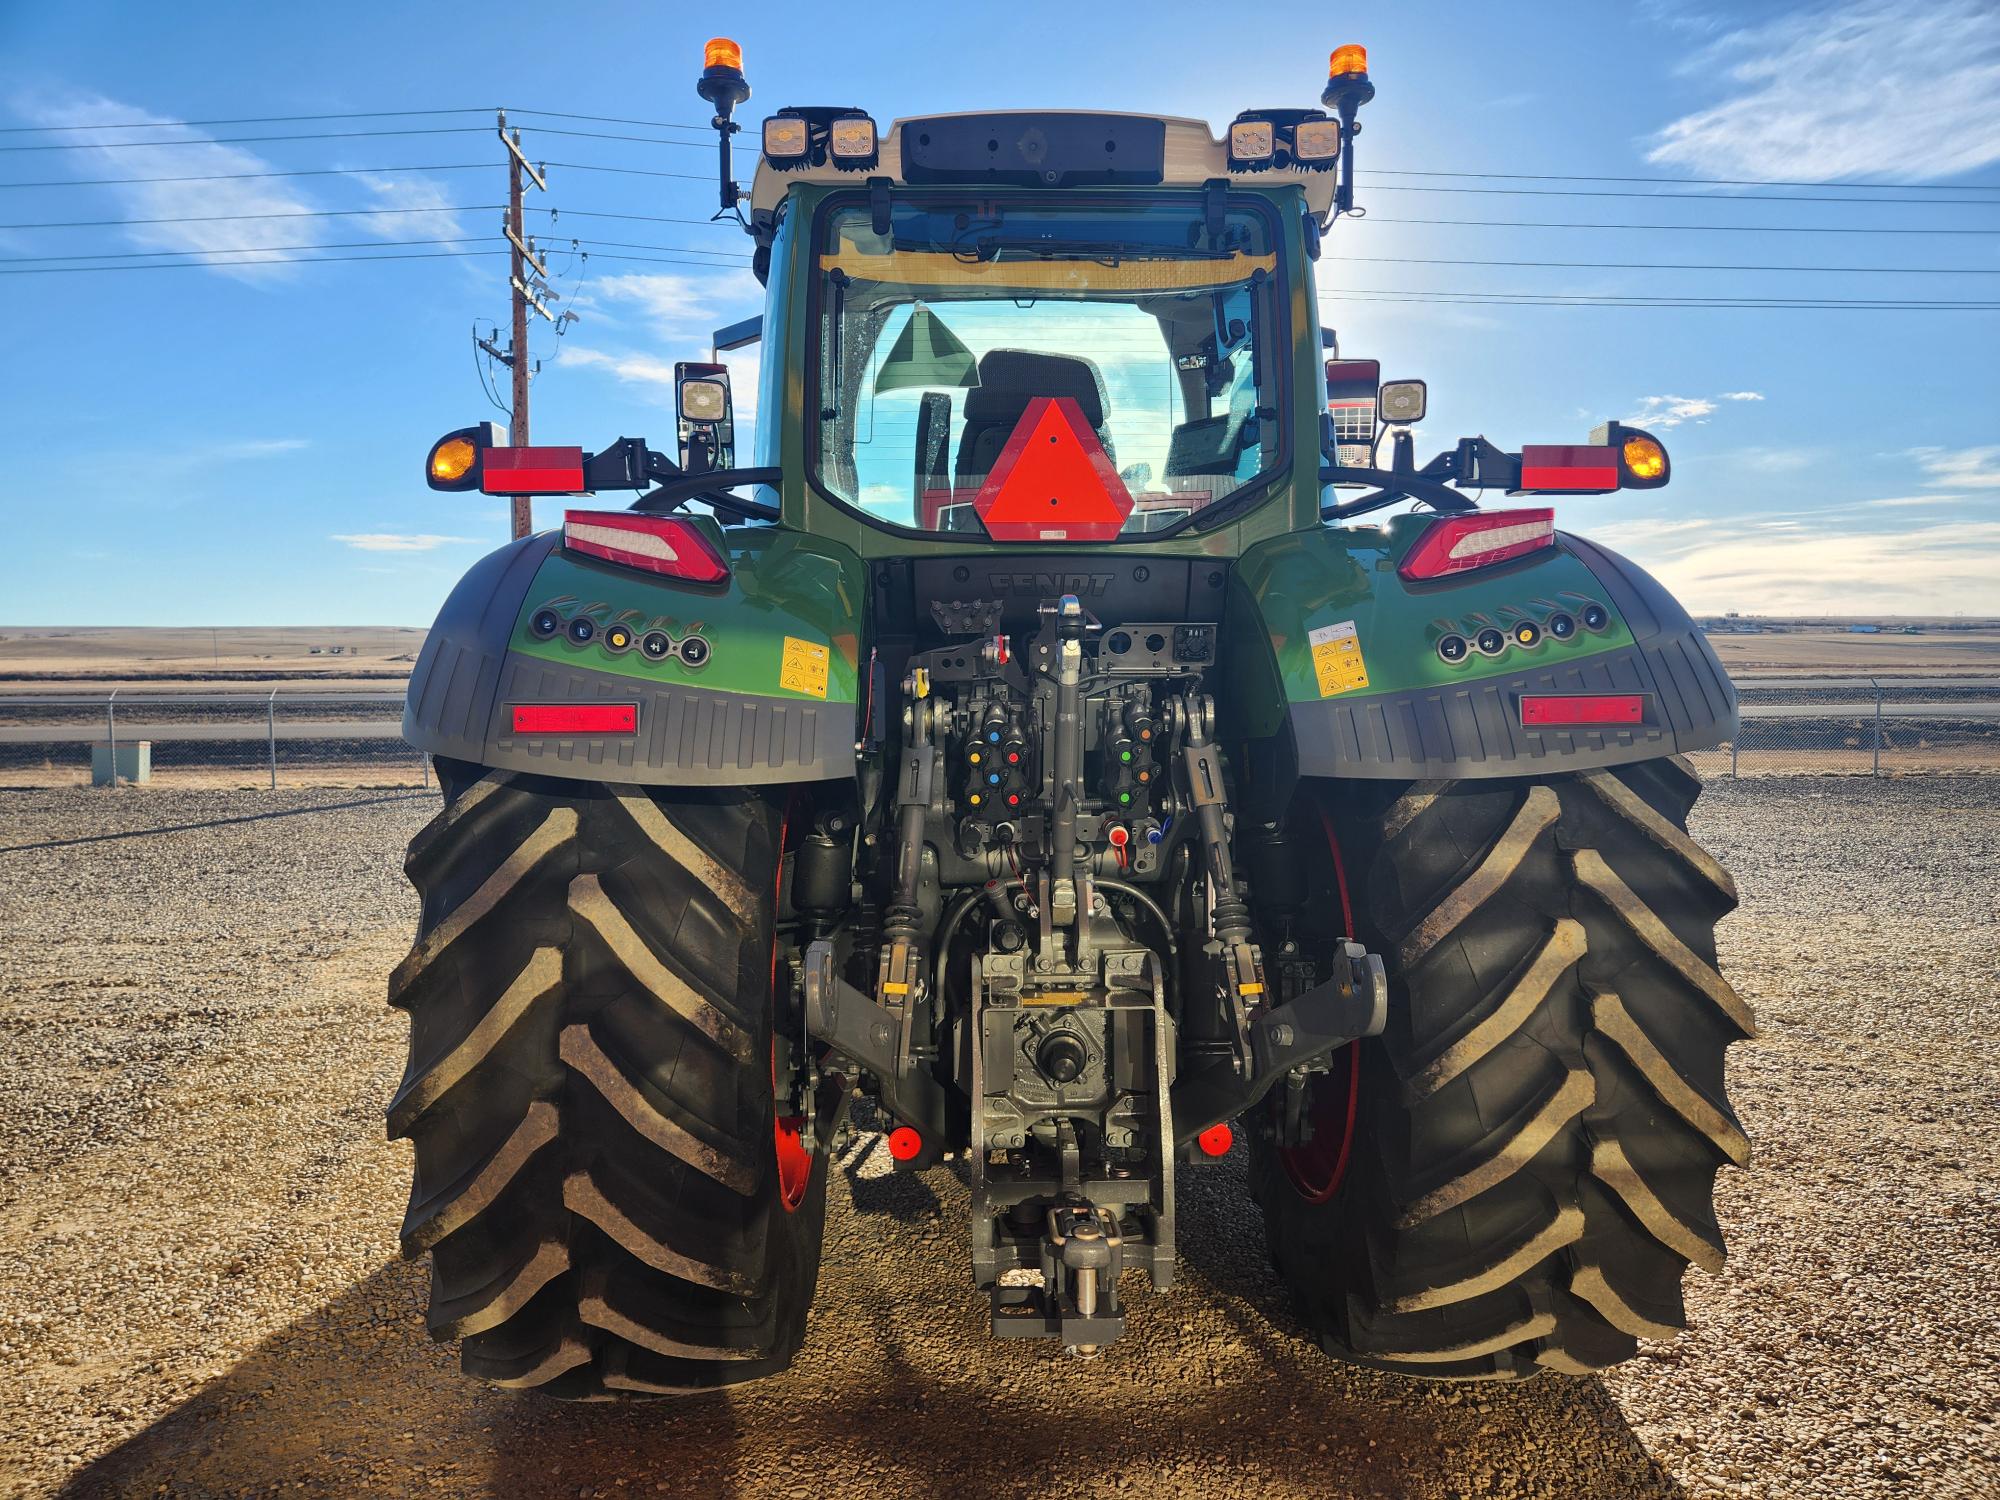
(1338, 648)
(761, 685)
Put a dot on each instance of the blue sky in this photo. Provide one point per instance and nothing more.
(242, 443)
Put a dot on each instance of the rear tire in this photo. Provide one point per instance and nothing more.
(1538, 1131)
(590, 1091)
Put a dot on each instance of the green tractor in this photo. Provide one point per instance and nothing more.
(1035, 742)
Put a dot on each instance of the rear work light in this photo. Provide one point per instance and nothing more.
(576, 718)
(1564, 710)
(671, 546)
(1457, 544)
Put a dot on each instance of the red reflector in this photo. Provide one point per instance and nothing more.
(1583, 708)
(905, 1144)
(1216, 1140)
(576, 718)
(1458, 543)
(668, 545)
(1569, 468)
(1053, 482)
(532, 471)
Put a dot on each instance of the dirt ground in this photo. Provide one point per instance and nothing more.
(199, 1292)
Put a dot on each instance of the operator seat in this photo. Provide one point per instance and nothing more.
(1008, 380)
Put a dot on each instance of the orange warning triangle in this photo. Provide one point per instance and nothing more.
(1053, 482)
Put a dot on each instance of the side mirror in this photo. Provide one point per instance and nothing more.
(1402, 402)
(705, 417)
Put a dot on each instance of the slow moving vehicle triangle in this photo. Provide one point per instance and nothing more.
(1053, 482)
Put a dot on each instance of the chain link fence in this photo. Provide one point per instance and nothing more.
(209, 739)
(1881, 726)
(1861, 726)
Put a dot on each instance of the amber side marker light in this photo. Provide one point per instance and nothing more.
(1644, 457)
(1581, 710)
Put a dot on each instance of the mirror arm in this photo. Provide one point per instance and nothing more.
(629, 464)
(676, 489)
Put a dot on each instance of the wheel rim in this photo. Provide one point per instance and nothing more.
(1317, 1168)
(795, 1163)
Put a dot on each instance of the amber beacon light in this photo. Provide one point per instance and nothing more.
(1345, 61)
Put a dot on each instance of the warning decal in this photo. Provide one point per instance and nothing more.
(804, 667)
(1337, 659)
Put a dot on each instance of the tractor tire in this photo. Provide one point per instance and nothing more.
(1514, 1176)
(609, 1202)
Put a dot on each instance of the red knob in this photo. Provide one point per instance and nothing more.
(905, 1143)
(1214, 1141)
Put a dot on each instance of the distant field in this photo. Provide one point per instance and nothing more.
(1950, 652)
(95, 659)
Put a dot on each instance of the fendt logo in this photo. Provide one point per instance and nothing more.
(1083, 585)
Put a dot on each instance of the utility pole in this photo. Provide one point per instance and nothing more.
(521, 258)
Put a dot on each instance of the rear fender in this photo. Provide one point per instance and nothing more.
(1340, 655)
(769, 695)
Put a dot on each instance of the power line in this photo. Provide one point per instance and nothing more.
(347, 245)
(1662, 228)
(1873, 187)
(199, 260)
(1640, 265)
(331, 213)
(207, 265)
(456, 166)
(579, 166)
(377, 114)
(1411, 187)
(598, 135)
(239, 250)
(1561, 299)
(556, 114)
(241, 140)
(290, 213)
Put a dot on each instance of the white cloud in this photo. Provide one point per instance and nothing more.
(242, 240)
(1906, 500)
(684, 307)
(1671, 411)
(1964, 468)
(633, 369)
(251, 448)
(1811, 88)
(1714, 566)
(432, 222)
(397, 541)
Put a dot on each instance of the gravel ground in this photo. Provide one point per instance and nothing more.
(199, 1293)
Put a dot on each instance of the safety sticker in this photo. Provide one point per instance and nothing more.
(803, 669)
(1337, 659)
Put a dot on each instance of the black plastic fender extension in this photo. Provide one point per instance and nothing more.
(1474, 729)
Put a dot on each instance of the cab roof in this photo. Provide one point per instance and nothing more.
(1052, 147)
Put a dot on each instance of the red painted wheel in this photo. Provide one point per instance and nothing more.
(1316, 1168)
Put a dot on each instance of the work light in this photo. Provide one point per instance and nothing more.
(1316, 141)
(785, 140)
(1251, 144)
(851, 142)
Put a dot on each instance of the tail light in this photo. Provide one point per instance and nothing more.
(671, 546)
(1457, 544)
